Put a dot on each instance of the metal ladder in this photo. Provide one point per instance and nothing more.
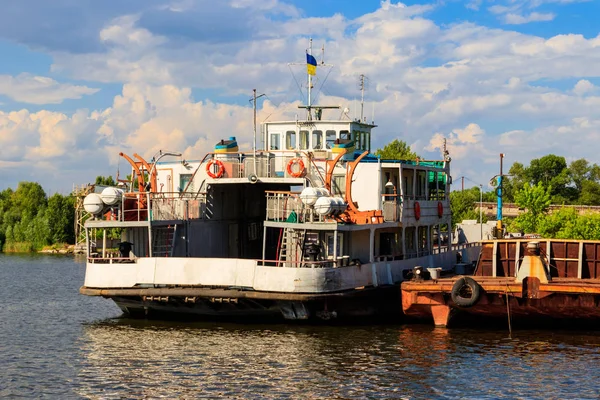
(298, 237)
(162, 238)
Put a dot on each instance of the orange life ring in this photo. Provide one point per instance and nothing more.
(220, 169)
(417, 210)
(440, 209)
(301, 170)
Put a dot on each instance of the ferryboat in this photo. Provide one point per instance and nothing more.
(311, 226)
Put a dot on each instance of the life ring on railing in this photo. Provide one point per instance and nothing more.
(440, 209)
(301, 170)
(417, 210)
(220, 169)
(465, 292)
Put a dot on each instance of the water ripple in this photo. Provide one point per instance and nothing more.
(55, 343)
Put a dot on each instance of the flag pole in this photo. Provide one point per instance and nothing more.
(309, 82)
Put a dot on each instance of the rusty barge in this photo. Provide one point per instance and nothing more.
(523, 280)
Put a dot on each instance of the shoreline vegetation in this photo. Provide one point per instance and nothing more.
(30, 221)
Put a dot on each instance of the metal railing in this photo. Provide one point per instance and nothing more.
(176, 206)
(148, 206)
(283, 206)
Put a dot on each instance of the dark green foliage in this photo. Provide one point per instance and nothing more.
(578, 183)
(29, 220)
(105, 181)
(396, 150)
(463, 204)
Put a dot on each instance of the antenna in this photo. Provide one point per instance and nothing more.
(362, 85)
(253, 100)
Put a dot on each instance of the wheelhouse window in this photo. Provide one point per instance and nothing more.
(317, 140)
(345, 135)
(290, 140)
(274, 141)
(330, 138)
(304, 136)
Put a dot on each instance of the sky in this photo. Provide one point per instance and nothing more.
(81, 81)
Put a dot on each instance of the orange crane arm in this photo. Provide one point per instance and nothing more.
(140, 176)
(151, 170)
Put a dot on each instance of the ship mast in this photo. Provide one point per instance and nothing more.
(309, 103)
(309, 106)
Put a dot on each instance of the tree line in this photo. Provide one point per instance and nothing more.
(30, 220)
(534, 187)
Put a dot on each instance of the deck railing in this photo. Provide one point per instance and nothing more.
(284, 206)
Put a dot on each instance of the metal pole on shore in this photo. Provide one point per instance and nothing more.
(480, 212)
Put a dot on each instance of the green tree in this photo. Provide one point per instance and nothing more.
(61, 219)
(551, 170)
(462, 204)
(396, 150)
(29, 198)
(536, 201)
(105, 181)
(511, 185)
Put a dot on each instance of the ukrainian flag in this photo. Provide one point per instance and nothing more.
(311, 64)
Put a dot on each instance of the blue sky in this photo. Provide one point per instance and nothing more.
(82, 81)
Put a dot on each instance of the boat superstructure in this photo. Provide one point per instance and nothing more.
(310, 226)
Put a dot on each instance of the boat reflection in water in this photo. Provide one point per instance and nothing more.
(129, 358)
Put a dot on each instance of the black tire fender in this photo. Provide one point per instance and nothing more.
(460, 294)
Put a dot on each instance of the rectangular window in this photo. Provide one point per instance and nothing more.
(345, 135)
(290, 140)
(387, 243)
(330, 138)
(184, 179)
(357, 138)
(304, 136)
(329, 240)
(421, 179)
(408, 187)
(274, 142)
(317, 140)
(339, 185)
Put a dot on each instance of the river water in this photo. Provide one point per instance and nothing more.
(56, 343)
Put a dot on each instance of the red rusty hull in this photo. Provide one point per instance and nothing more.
(559, 299)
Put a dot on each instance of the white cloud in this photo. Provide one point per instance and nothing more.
(32, 89)
(485, 90)
(583, 87)
(516, 19)
(516, 12)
